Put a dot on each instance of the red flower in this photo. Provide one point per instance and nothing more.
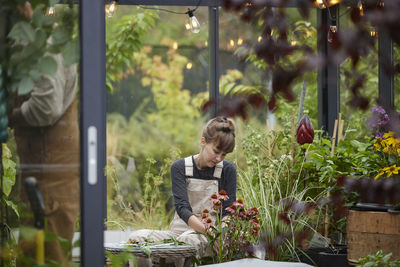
(305, 131)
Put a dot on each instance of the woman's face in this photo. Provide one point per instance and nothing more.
(210, 155)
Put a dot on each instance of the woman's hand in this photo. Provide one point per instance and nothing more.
(196, 224)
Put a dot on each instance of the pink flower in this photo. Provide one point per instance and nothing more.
(208, 222)
(222, 195)
(239, 203)
(255, 222)
(243, 215)
(217, 205)
(214, 198)
(205, 213)
(253, 212)
(255, 231)
(231, 209)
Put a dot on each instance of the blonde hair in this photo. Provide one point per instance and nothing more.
(221, 131)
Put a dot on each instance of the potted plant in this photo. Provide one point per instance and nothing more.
(373, 222)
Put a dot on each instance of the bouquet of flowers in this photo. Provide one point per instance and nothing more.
(231, 237)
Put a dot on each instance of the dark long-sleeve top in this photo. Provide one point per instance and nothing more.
(179, 191)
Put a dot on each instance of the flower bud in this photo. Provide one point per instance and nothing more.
(305, 131)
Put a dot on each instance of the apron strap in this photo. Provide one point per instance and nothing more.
(218, 169)
(189, 166)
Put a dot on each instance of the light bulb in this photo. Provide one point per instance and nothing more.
(240, 41)
(361, 8)
(50, 11)
(373, 32)
(110, 9)
(193, 22)
(332, 33)
(320, 4)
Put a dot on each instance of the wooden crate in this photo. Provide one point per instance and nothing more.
(370, 231)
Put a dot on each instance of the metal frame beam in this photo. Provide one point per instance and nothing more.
(93, 131)
(328, 76)
(385, 59)
(213, 37)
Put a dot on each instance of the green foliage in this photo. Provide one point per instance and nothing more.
(229, 237)
(121, 258)
(123, 40)
(268, 180)
(9, 175)
(33, 42)
(378, 260)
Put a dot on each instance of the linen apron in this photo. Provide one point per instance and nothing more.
(199, 192)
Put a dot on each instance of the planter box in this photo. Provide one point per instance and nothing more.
(325, 257)
(370, 231)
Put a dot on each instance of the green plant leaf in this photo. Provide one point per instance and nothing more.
(25, 86)
(48, 65)
(22, 31)
(13, 206)
(40, 38)
(71, 53)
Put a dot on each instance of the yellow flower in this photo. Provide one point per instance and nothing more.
(392, 170)
(381, 172)
(388, 134)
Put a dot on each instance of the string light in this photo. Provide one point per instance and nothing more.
(320, 4)
(240, 41)
(332, 33)
(205, 43)
(293, 43)
(111, 8)
(259, 38)
(360, 8)
(193, 22)
(189, 65)
(326, 3)
(175, 45)
(373, 32)
(50, 11)
(232, 43)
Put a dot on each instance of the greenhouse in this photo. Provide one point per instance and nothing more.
(200, 133)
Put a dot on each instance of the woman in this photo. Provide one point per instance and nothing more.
(194, 179)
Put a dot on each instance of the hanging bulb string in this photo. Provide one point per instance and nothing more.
(171, 11)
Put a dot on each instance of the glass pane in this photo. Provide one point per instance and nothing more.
(241, 72)
(153, 114)
(41, 157)
(355, 120)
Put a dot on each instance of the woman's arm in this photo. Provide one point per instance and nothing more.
(196, 224)
(179, 191)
